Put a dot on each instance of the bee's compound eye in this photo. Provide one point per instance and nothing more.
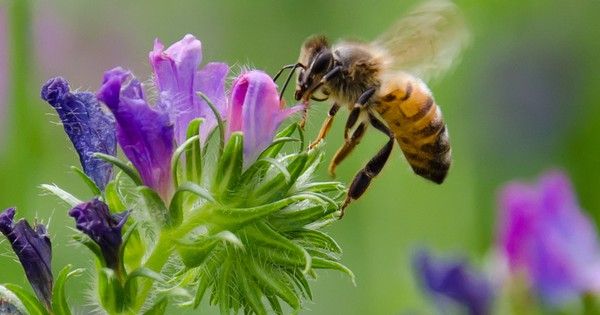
(322, 62)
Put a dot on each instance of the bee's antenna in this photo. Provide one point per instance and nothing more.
(293, 67)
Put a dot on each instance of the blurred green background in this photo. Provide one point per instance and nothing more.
(525, 98)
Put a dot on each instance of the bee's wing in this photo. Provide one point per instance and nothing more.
(427, 41)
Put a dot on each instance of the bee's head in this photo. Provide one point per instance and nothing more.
(317, 58)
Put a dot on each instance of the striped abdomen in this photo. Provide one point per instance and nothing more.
(407, 106)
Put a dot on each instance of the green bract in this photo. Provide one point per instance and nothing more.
(243, 238)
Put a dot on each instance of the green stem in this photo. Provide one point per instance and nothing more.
(161, 253)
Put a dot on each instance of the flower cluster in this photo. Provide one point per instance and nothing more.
(546, 251)
(212, 198)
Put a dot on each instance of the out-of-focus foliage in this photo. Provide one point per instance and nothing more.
(524, 97)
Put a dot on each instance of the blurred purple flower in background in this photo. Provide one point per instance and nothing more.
(34, 250)
(89, 127)
(145, 134)
(94, 219)
(256, 110)
(544, 235)
(453, 285)
(178, 79)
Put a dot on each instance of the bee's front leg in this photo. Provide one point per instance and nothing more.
(326, 125)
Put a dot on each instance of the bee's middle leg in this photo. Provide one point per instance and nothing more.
(363, 178)
(326, 126)
(347, 148)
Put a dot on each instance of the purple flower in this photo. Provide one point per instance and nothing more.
(34, 250)
(144, 134)
(454, 281)
(256, 111)
(178, 80)
(90, 129)
(544, 234)
(94, 219)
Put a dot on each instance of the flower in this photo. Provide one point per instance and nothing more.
(88, 126)
(94, 219)
(178, 80)
(145, 134)
(34, 250)
(256, 111)
(453, 281)
(543, 233)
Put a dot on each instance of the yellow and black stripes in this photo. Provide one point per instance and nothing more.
(419, 129)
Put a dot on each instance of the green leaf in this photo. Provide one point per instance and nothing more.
(317, 239)
(194, 254)
(92, 246)
(176, 206)
(59, 297)
(142, 273)
(223, 282)
(300, 280)
(87, 180)
(320, 263)
(220, 123)
(293, 219)
(227, 217)
(274, 301)
(275, 147)
(61, 194)
(271, 279)
(113, 200)
(31, 303)
(264, 235)
(278, 186)
(112, 297)
(230, 165)
(130, 171)
(132, 249)
(206, 275)
(175, 158)
(194, 154)
(159, 308)
(250, 291)
(156, 207)
(323, 187)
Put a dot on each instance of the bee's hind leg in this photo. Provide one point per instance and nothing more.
(326, 125)
(362, 180)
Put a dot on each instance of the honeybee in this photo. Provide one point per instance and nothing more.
(382, 83)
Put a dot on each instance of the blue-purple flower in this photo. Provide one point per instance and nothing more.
(178, 80)
(94, 219)
(453, 282)
(145, 134)
(257, 111)
(89, 127)
(544, 234)
(32, 246)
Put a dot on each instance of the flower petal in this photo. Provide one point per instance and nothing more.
(32, 246)
(256, 111)
(94, 219)
(544, 233)
(144, 134)
(453, 280)
(210, 80)
(89, 127)
(178, 80)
